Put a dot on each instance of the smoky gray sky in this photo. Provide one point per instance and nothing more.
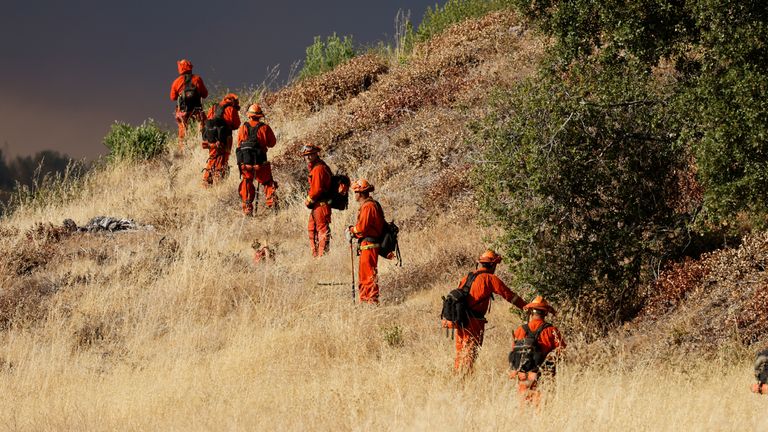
(68, 70)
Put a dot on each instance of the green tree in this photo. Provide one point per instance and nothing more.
(579, 173)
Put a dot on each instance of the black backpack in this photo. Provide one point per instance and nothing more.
(339, 193)
(216, 129)
(250, 151)
(388, 240)
(455, 307)
(526, 355)
(388, 243)
(189, 99)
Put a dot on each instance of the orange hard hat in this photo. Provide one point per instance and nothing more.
(539, 304)
(184, 66)
(489, 256)
(309, 149)
(230, 97)
(362, 185)
(255, 111)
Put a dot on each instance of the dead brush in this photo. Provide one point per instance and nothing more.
(439, 71)
(345, 81)
(673, 285)
(23, 303)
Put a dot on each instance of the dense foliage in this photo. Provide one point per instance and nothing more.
(580, 172)
(719, 54)
(143, 142)
(646, 114)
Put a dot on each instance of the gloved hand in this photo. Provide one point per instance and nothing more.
(348, 234)
(308, 203)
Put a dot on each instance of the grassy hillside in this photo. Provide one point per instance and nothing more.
(176, 328)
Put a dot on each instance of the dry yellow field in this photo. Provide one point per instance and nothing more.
(176, 329)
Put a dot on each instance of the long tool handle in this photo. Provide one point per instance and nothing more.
(352, 260)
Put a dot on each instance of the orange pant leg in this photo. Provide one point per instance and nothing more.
(527, 388)
(368, 275)
(209, 173)
(183, 119)
(319, 229)
(222, 161)
(263, 174)
(468, 342)
(247, 191)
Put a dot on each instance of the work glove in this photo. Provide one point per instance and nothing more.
(308, 203)
(348, 234)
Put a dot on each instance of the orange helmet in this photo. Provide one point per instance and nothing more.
(255, 111)
(309, 149)
(539, 304)
(230, 97)
(184, 66)
(489, 256)
(362, 185)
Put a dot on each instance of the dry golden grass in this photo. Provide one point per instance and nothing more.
(177, 329)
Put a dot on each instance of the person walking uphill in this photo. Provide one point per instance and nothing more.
(536, 346)
(223, 118)
(317, 200)
(188, 91)
(483, 285)
(254, 139)
(368, 229)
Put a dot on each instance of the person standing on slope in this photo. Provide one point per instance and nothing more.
(223, 118)
(469, 338)
(254, 139)
(368, 229)
(536, 346)
(188, 91)
(317, 201)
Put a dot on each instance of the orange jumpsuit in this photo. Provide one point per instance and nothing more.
(549, 340)
(317, 200)
(369, 228)
(262, 173)
(182, 117)
(470, 338)
(218, 153)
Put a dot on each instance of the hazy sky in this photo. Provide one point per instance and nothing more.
(69, 69)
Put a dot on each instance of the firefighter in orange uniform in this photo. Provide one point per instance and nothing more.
(217, 137)
(537, 346)
(188, 91)
(254, 139)
(317, 200)
(368, 230)
(470, 338)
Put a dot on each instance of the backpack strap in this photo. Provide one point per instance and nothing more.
(253, 137)
(527, 330)
(536, 335)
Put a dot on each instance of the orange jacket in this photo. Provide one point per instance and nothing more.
(370, 220)
(231, 117)
(177, 86)
(265, 136)
(549, 339)
(485, 284)
(319, 181)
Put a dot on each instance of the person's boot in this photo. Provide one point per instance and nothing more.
(248, 209)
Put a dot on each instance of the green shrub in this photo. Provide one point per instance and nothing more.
(126, 142)
(719, 54)
(324, 56)
(579, 172)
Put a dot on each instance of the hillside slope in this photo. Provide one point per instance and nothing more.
(175, 328)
